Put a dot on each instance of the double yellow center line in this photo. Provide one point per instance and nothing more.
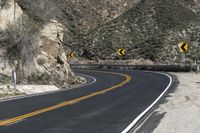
(66, 103)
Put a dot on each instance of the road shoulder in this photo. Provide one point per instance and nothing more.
(179, 112)
(9, 93)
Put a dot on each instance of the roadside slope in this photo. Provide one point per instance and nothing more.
(183, 107)
(180, 112)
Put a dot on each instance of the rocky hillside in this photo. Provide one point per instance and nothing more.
(151, 30)
(79, 16)
(31, 44)
(37, 35)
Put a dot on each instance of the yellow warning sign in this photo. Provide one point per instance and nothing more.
(121, 52)
(183, 47)
(70, 55)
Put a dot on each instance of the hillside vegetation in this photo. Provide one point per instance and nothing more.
(37, 35)
(151, 30)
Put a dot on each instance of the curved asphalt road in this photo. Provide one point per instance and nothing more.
(107, 106)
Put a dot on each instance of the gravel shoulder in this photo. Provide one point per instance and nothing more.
(8, 91)
(183, 107)
(181, 111)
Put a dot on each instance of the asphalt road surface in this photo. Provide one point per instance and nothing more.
(108, 105)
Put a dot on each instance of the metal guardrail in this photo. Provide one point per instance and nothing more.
(166, 68)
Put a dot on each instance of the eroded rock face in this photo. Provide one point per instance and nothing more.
(51, 62)
(49, 65)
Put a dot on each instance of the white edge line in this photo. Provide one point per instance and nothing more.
(150, 107)
(51, 92)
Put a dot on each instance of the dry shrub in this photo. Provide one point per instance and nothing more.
(22, 42)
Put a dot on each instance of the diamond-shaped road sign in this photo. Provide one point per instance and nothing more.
(121, 52)
(183, 47)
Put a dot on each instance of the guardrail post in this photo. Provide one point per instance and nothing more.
(198, 69)
(14, 79)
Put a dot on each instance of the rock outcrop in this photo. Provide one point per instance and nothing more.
(49, 63)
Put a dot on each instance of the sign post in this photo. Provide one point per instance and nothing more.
(183, 57)
(14, 79)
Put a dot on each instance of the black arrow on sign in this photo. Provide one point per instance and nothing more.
(70, 55)
(121, 51)
(183, 47)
